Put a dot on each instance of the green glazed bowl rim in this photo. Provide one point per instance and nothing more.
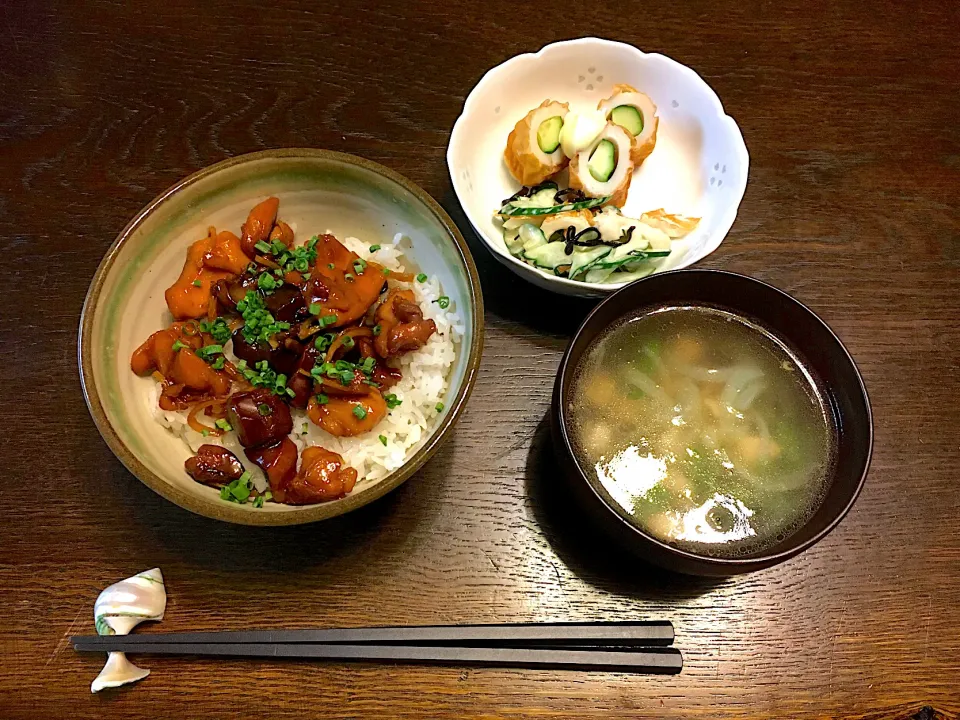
(215, 508)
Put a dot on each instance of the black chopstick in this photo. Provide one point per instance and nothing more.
(648, 633)
(661, 660)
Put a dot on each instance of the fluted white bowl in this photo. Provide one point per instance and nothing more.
(699, 166)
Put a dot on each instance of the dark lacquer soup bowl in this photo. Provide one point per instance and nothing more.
(809, 340)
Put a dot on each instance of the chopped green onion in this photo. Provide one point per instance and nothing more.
(177, 345)
(316, 308)
(373, 249)
(264, 409)
(422, 278)
(219, 363)
(359, 265)
(258, 502)
(439, 407)
(367, 365)
(205, 433)
(268, 495)
(443, 301)
(258, 324)
(264, 247)
(239, 490)
(377, 329)
(346, 377)
(322, 399)
(264, 376)
(386, 271)
(348, 277)
(383, 440)
(267, 282)
(328, 320)
(331, 266)
(218, 329)
(290, 259)
(197, 283)
(393, 401)
(223, 425)
(208, 351)
(348, 342)
(359, 411)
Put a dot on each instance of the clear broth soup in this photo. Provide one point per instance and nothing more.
(704, 428)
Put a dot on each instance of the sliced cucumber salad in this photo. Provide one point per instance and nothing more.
(546, 199)
(523, 207)
(566, 233)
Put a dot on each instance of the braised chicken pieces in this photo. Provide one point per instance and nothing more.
(214, 465)
(313, 327)
(322, 476)
(402, 327)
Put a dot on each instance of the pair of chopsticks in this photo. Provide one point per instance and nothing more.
(641, 647)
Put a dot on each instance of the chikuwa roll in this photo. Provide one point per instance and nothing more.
(605, 168)
(674, 226)
(533, 150)
(635, 113)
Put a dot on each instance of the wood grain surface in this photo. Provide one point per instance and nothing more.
(850, 112)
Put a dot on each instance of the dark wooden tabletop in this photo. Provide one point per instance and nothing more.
(850, 112)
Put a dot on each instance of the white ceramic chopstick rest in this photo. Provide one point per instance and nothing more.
(117, 611)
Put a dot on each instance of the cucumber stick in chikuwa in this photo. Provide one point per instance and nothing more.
(629, 118)
(603, 161)
(548, 134)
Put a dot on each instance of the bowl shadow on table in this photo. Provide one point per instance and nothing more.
(512, 298)
(583, 547)
(346, 543)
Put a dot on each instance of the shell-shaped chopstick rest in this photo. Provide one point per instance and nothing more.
(117, 611)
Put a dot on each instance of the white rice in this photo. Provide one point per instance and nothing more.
(405, 427)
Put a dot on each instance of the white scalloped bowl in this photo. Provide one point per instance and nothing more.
(699, 166)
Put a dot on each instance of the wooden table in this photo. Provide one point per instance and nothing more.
(850, 114)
